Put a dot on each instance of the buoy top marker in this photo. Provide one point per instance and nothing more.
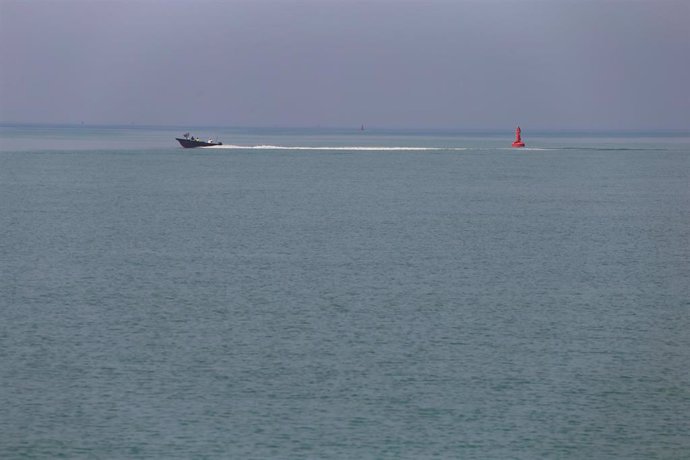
(518, 139)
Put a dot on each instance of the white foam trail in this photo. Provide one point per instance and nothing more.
(359, 148)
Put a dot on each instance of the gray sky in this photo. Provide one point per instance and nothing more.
(609, 64)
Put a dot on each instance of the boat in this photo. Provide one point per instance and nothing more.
(518, 139)
(189, 142)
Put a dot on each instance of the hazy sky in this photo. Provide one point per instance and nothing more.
(608, 64)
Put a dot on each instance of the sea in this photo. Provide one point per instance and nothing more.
(320, 293)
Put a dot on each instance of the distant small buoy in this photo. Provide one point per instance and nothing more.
(518, 140)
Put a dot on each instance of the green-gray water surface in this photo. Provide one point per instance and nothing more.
(361, 300)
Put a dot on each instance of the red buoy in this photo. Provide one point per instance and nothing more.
(518, 140)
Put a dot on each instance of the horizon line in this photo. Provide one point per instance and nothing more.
(536, 129)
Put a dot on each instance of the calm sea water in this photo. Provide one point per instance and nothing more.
(393, 295)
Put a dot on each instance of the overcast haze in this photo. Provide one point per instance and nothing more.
(429, 64)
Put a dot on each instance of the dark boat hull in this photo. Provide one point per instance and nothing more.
(192, 143)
